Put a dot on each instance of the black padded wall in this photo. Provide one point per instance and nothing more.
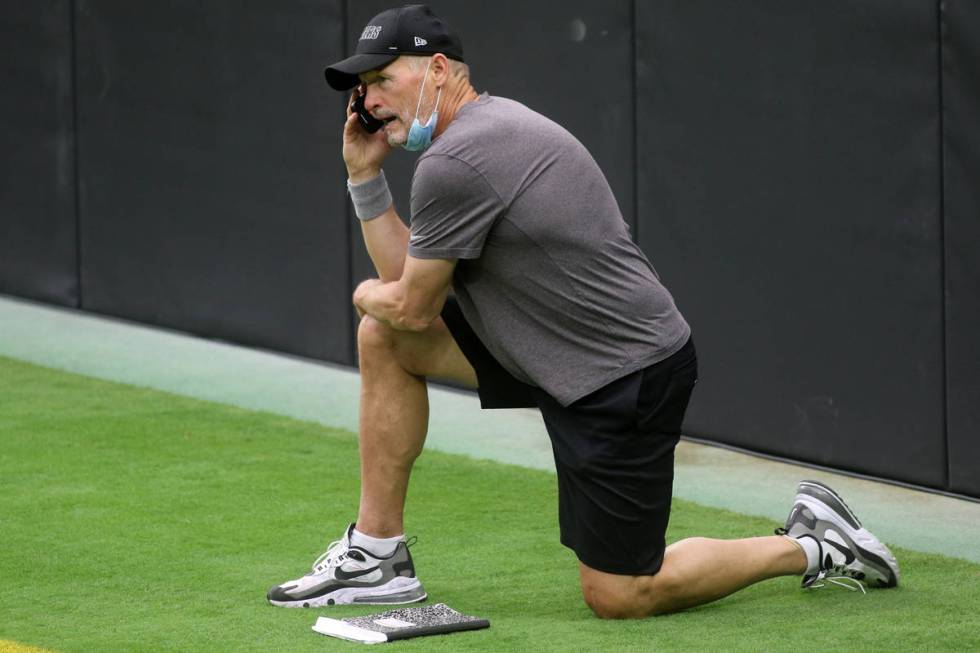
(38, 251)
(803, 176)
(961, 177)
(539, 54)
(788, 194)
(208, 164)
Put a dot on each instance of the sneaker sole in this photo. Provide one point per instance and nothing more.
(827, 505)
(398, 591)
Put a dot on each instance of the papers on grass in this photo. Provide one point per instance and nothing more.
(398, 624)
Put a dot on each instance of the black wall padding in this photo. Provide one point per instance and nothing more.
(570, 61)
(38, 250)
(961, 154)
(788, 194)
(209, 166)
(803, 175)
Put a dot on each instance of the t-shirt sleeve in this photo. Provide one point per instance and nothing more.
(453, 209)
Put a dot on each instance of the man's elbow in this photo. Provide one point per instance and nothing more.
(410, 321)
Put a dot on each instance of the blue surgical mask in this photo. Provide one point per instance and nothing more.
(419, 135)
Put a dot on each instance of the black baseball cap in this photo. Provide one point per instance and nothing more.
(412, 29)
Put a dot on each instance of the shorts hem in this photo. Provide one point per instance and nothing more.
(619, 570)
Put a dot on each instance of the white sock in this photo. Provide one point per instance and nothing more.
(379, 546)
(811, 549)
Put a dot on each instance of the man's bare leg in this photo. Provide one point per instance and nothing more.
(394, 416)
(394, 412)
(695, 571)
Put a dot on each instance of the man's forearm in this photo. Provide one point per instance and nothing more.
(386, 240)
(385, 235)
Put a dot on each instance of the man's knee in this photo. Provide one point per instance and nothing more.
(380, 344)
(611, 600)
(374, 335)
(611, 596)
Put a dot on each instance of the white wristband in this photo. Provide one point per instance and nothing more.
(371, 198)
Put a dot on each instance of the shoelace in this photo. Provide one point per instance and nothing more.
(331, 558)
(837, 576)
(335, 554)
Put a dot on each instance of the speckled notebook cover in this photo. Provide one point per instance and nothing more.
(398, 624)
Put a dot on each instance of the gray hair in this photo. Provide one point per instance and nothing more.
(457, 69)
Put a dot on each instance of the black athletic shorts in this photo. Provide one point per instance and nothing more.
(614, 451)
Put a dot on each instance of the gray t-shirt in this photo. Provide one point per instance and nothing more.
(548, 276)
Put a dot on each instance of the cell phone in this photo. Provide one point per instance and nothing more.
(369, 123)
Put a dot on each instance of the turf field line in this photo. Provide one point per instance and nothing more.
(6, 646)
(326, 394)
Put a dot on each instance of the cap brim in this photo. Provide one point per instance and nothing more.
(343, 75)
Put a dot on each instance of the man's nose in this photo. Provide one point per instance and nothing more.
(371, 99)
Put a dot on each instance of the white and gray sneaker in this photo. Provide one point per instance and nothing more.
(347, 574)
(847, 551)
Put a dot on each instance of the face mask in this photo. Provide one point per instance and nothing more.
(419, 135)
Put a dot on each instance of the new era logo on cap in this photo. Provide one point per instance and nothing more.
(419, 41)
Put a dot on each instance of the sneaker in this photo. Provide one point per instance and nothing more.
(347, 574)
(847, 550)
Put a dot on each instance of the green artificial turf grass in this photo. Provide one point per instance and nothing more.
(131, 519)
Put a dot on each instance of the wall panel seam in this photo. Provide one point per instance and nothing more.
(944, 309)
(73, 20)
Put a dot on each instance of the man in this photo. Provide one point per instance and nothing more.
(554, 307)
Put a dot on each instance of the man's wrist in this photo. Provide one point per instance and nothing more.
(360, 176)
(371, 197)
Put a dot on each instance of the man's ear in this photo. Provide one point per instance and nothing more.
(440, 68)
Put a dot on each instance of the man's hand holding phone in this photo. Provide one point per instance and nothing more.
(364, 151)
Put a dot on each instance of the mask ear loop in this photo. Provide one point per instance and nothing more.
(435, 109)
(422, 92)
